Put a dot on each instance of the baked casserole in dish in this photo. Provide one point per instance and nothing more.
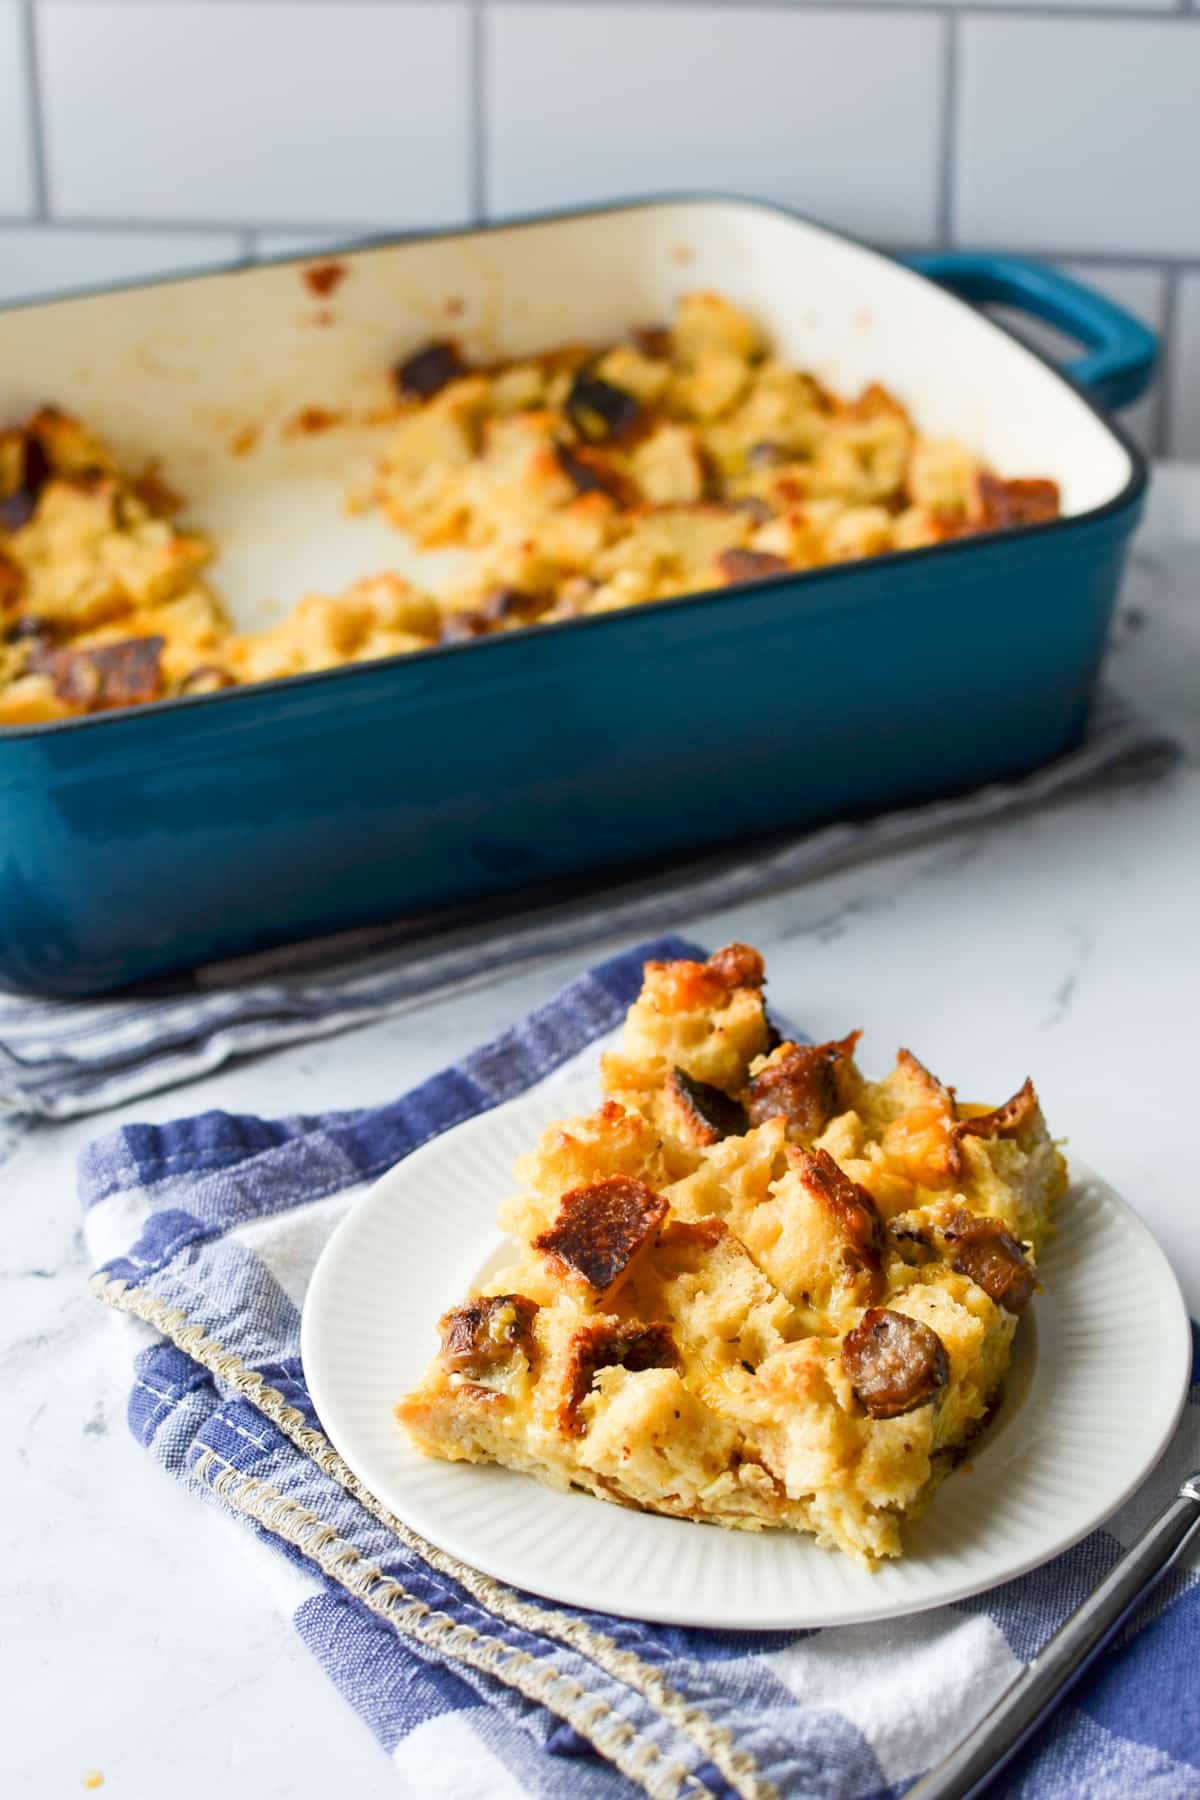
(587, 478)
(818, 444)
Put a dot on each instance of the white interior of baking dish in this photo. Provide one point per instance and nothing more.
(209, 374)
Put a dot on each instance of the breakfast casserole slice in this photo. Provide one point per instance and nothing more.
(752, 1288)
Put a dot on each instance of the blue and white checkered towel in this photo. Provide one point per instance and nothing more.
(209, 1228)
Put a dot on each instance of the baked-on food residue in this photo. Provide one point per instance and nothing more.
(583, 480)
(754, 1288)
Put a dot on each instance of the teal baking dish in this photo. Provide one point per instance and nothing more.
(137, 843)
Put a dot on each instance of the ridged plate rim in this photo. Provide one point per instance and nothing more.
(1099, 1379)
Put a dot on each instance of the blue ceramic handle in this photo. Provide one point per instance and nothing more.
(1122, 351)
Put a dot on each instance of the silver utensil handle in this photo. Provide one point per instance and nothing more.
(986, 1750)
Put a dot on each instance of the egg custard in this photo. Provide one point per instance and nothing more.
(752, 1288)
(582, 480)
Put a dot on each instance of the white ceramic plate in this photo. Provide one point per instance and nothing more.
(1099, 1377)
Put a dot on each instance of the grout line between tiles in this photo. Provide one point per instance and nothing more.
(477, 51)
(1169, 423)
(350, 232)
(948, 172)
(995, 9)
(37, 126)
(1003, 9)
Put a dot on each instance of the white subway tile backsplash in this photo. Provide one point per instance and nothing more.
(260, 112)
(1183, 407)
(1141, 291)
(837, 113)
(39, 260)
(1075, 135)
(16, 161)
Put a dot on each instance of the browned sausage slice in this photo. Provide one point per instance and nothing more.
(483, 1333)
(126, 673)
(800, 1085)
(735, 566)
(605, 1344)
(991, 1257)
(894, 1363)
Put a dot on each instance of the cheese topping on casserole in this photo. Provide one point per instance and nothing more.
(584, 480)
(754, 1287)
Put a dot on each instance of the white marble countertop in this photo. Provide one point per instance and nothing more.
(137, 1640)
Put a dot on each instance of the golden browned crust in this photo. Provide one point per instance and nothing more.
(602, 1229)
(684, 986)
(699, 1113)
(738, 965)
(1007, 1121)
(894, 1363)
(1003, 504)
(932, 1123)
(852, 1211)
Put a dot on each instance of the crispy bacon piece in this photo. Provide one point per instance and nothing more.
(735, 566)
(605, 1344)
(602, 1229)
(894, 1363)
(480, 1335)
(701, 1113)
(427, 371)
(800, 1086)
(853, 1212)
(1023, 502)
(983, 1250)
(126, 673)
(1007, 1121)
